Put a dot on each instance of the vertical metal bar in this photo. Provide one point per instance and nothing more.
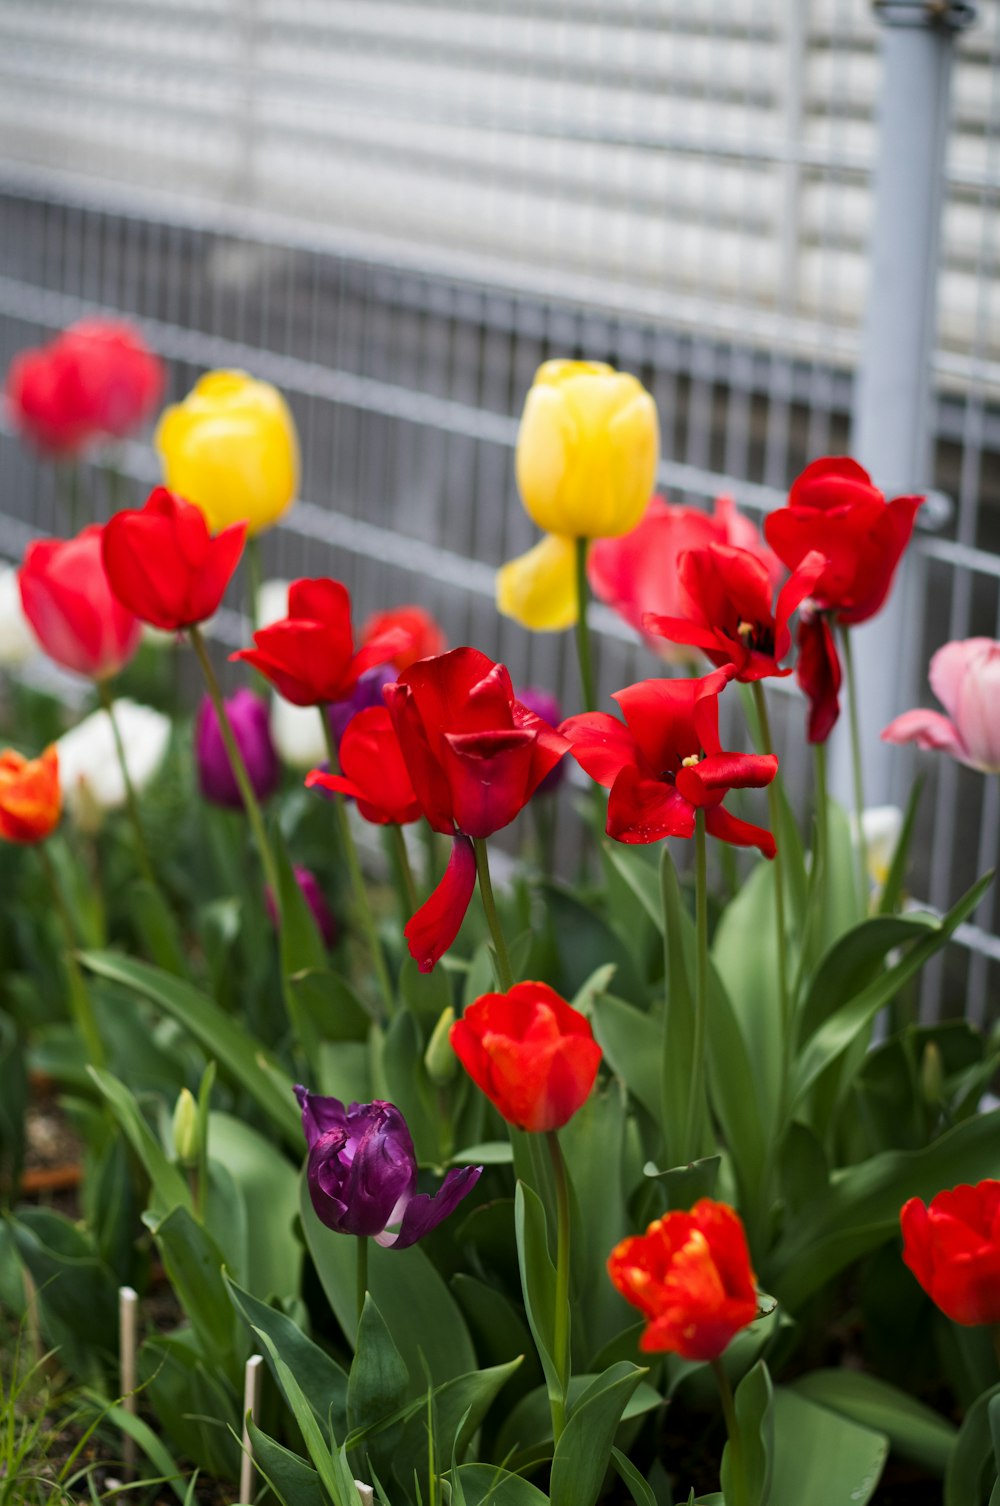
(891, 411)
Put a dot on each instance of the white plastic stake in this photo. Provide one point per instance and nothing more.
(251, 1404)
(366, 1494)
(128, 1338)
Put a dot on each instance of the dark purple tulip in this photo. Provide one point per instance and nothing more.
(248, 718)
(363, 1171)
(544, 704)
(314, 898)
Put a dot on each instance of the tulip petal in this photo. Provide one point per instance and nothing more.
(431, 931)
(928, 729)
(538, 589)
(601, 745)
(729, 828)
(706, 782)
(644, 810)
(424, 1212)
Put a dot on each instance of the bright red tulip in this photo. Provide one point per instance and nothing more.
(818, 673)
(165, 566)
(309, 655)
(374, 772)
(68, 601)
(475, 756)
(531, 1053)
(98, 379)
(637, 574)
(726, 610)
(30, 796)
(419, 635)
(952, 1246)
(665, 762)
(690, 1276)
(834, 508)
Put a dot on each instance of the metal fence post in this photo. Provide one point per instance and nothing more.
(891, 415)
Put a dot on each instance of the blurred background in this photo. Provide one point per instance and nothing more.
(396, 210)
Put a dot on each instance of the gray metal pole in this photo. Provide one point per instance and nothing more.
(890, 431)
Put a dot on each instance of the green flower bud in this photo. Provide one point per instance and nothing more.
(932, 1075)
(439, 1058)
(186, 1129)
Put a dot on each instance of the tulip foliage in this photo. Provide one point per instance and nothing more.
(640, 1182)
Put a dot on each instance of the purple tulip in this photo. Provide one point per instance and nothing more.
(363, 1172)
(544, 704)
(248, 717)
(316, 900)
(367, 692)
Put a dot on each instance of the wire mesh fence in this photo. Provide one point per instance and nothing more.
(396, 212)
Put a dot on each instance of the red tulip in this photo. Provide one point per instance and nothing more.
(726, 611)
(666, 762)
(309, 655)
(374, 772)
(636, 574)
(818, 673)
(834, 508)
(690, 1276)
(952, 1246)
(68, 601)
(165, 566)
(30, 795)
(531, 1053)
(419, 635)
(98, 379)
(475, 756)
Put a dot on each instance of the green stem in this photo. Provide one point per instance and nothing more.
(737, 1468)
(239, 768)
(582, 628)
(362, 1272)
(859, 784)
(131, 803)
(696, 1103)
(350, 853)
(774, 806)
(79, 997)
(562, 1309)
(818, 875)
(254, 574)
(505, 976)
(402, 858)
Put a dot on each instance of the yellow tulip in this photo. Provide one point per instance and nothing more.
(538, 589)
(587, 450)
(231, 448)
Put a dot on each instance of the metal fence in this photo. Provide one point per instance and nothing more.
(396, 211)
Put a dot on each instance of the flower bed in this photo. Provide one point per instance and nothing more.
(579, 1192)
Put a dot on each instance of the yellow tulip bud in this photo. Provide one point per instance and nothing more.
(587, 450)
(538, 589)
(186, 1129)
(231, 448)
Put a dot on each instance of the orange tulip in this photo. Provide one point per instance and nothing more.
(30, 797)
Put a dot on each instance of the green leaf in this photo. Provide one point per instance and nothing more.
(77, 1292)
(851, 963)
(13, 1105)
(153, 1447)
(755, 1416)
(167, 1185)
(638, 1489)
(593, 1145)
(420, 1312)
(193, 1263)
(269, 1186)
(840, 1031)
(526, 1432)
(330, 1463)
(583, 1452)
(293, 1481)
(678, 1036)
(860, 1210)
(408, 1084)
(238, 1056)
(593, 988)
(585, 942)
(458, 1409)
(302, 946)
(821, 1458)
(914, 1431)
(632, 1043)
(332, 1004)
(323, 1382)
(156, 926)
(490, 1485)
(745, 953)
(972, 1467)
(378, 1383)
(193, 1401)
(892, 889)
(538, 1280)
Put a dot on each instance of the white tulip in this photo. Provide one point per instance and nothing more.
(18, 643)
(89, 771)
(298, 734)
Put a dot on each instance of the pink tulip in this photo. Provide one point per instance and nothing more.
(965, 677)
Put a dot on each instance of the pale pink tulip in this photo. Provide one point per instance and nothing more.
(965, 677)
